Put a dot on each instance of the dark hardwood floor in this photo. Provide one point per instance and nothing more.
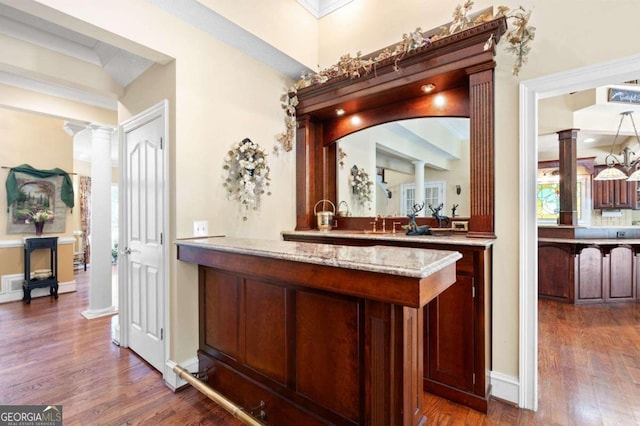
(50, 354)
(589, 370)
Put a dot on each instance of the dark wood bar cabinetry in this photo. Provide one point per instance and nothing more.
(588, 270)
(321, 334)
(614, 194)
(457, 353)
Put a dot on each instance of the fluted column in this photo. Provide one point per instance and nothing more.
(100, 287)
(419, 181)
(481, 113)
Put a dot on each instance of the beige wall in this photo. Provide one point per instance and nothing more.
(223, 96)
(275, 21)
(37, 140)
(12, 261)
(40, 141)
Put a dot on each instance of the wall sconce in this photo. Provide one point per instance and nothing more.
(439, 101)
(458, 189)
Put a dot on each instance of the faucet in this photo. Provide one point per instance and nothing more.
(384, 223)
(394, 226)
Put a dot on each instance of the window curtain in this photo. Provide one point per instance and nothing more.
(85, 213)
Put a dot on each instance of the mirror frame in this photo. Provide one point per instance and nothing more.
(460, 66)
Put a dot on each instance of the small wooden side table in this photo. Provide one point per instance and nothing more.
(31, 244)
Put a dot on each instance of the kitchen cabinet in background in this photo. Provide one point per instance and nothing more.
(614, 194)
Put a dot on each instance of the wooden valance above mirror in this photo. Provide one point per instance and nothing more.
(461, 67)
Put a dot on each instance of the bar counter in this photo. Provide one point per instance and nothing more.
(324, 334)
(385, 260)
(586, 268)
(451, 238)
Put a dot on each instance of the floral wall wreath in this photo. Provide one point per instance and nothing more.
(246, 175)
(361, 185)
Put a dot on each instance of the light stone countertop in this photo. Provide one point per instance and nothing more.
(455, 238)
(592, 241)
(409, 262)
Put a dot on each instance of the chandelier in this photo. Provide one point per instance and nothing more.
(614, 173)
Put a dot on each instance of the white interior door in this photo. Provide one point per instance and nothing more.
(143, 183)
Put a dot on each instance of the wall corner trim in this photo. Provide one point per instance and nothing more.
(171, 379)
(504, 387)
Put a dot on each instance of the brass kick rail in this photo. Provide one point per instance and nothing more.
(235, 410)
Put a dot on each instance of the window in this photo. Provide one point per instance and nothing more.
(548, 201)
(434, 194)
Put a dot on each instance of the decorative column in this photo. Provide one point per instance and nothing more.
(308, 177)
(100, 287)
(419, 181)
(568, 177)
(481, 113)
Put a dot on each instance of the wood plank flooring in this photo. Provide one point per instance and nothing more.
(589, 372)
(50, 354)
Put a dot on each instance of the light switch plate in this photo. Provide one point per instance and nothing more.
(200, 228)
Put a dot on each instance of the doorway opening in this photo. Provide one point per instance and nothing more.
(531, 91)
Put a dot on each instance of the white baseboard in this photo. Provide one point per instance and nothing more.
(171, 379)
(11, 288)
(506, 388)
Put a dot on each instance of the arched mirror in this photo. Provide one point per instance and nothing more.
(396, 158)
(460, 68)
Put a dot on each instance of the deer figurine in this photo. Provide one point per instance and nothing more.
(436, 214)
(413, 228)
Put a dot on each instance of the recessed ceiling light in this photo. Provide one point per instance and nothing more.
(339, 111)
(428, 88)
(589, 140)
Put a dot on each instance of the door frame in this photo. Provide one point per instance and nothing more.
(161, 110)
(612, 72)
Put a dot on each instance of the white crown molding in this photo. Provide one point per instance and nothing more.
(47, 40)
(321, 8)
(59, 91)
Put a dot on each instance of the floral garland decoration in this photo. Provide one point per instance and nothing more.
(341, 157)
(519, 39)
(247, 175)
(288, 101)
(361, 185)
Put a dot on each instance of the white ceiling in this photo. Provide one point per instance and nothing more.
(19, 30)
(596, 119)
(123, 67)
